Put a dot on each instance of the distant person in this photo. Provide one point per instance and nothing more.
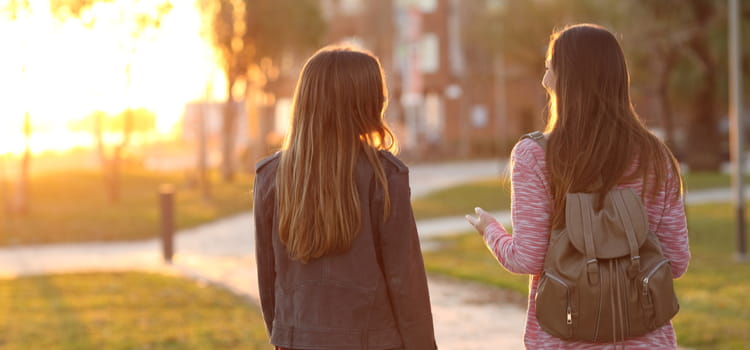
(595, 148)
(339, 261)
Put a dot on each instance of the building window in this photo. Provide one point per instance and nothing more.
(351, 7)
(353, 41)
(327, 9)
(430, 53)
(283, 115)
(434, 118)
(479, 116)
(495, 5)
(428, 6)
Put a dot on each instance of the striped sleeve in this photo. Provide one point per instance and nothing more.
(524, 251)
(672, 229)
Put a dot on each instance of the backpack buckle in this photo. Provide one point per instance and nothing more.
(635, 266)
(592, 267)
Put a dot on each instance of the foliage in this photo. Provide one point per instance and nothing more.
(249, 33)
(11, 8)
(138, 21)
(70, 207)
(253, 38)
(124, 311)
(140, 120)
(68, 9)
(676, 49)
(277, 27)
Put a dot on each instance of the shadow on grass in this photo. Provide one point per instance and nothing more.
(125, 311)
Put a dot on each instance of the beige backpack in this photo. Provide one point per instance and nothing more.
(605, 278)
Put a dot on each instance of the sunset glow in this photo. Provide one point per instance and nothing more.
(60, 71)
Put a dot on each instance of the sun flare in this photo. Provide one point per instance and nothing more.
(60, 70)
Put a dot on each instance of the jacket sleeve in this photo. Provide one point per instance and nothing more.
(263, 215)
(404, 268)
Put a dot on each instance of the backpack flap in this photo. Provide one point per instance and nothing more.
(619, 229)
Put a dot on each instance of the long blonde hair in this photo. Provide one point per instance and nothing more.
(338, 113)
(594, 132)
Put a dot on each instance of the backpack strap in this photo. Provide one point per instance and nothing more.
(538, 137)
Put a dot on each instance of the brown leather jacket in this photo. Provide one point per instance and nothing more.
(347, 300)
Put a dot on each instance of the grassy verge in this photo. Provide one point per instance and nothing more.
(72, 207)
(702, 181)
(124, 311)
(494, 194)
(465, 256)
(715, 308)
(490, 194)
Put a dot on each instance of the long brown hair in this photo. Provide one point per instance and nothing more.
(595, 134)
(338, 113)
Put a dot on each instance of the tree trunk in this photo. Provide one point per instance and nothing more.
(229, 127)
(4, 185)
(22, 201)
(113, 178)
(256, 113)
(21, 205)
(203, 179)
(704, 141)
(665, 104)
(112, 167)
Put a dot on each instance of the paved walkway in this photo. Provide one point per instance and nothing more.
(467, 315)
(221, 253)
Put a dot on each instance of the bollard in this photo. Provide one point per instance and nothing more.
(166, 205)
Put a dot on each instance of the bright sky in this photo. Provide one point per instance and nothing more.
(72, 71)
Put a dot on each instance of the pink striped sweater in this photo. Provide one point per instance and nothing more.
(524, 251)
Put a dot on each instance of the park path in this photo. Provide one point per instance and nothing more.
(467, 316)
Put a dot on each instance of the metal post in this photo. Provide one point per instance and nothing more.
(166, 205)
(738, 125)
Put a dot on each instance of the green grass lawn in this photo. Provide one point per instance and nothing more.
(714, 294)
(73, 206)
(490, 194)
(494, 194)
(702, 181)
(465, 256)
(124, 311)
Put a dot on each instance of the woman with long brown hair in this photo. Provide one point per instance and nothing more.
(595, 143)
(338, 256)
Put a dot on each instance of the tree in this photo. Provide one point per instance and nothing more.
(139, 22)
(253, 38)
(704, 148)
(19, 203)
(227, 32)
(656, 47)
(128, 123)
(676, 50)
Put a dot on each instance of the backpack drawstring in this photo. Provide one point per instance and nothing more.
(619, 305)
(616, 313)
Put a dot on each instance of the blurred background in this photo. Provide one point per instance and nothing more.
(103, 101)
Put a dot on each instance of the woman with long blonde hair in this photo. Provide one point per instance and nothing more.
(595, 144)
(338, 256)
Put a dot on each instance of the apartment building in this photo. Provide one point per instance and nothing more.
(449, 98)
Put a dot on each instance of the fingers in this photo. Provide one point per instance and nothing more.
(472, 220)
(483, 215)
